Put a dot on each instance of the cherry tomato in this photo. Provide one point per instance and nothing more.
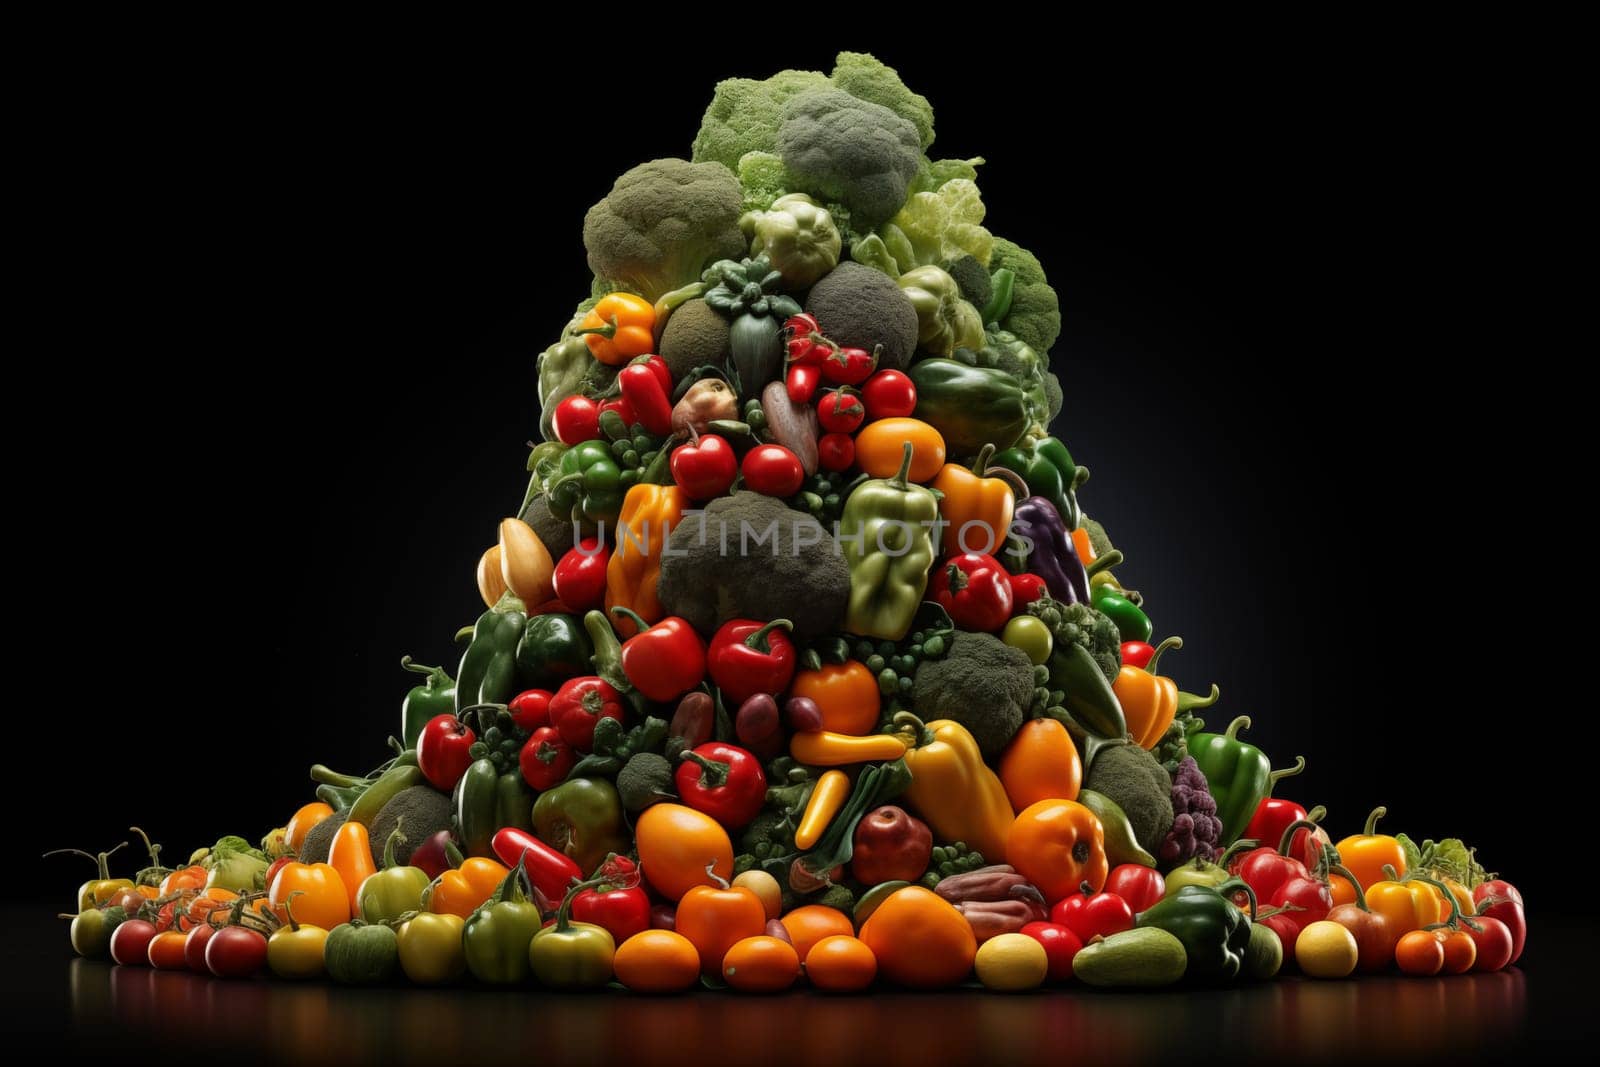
(848, 366)
(530, 709)
(1493, 939)
(580, 576)
(130, 942)
(1419, 953)
(1060, 946)
(773, 470)
(577, 419)
(1139, 885)
(444, 751)
(889, 395)
(194, 948)
(841, 411)
(165, 951)
(1460, 951)
(836, 451)
(234, 952)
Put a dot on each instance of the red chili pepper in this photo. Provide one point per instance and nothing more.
(850, 366)
(659, 367)
(580, 577)
(642, 388)
(1087, 913)
(578, 705)
(974, 589)
(841, 411)
(1138, 654)
(705, 467)
(530, 709)
(620, 405)
(836, 451)
(1025, 589)
(545, 759)
(802, 381)
(749, 656)
(663, 660)
(773, 470)
(724, 781)
(550, 872)
(617, 904)
(889, 394)
(576, 420)
(1139, 885)
(444, 751)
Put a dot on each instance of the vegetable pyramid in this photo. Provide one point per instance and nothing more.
(799, 656)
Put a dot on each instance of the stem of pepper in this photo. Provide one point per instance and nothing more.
(713, 773)
(920, 732)
(1106, 562)
(1242, 845)
(407, 664)
(607, 330)
(1019, 488)
(1171, 642)
(758, 640)
(1241, 723)
(564, 912)
(154, 849)
(1343, 872)
(1288, 834)
(1286, 772)
(1188, 701)
(899, 481)
(981, 464)
(1239, 885)
(1372, 820)
(102, 859)
(395, 836)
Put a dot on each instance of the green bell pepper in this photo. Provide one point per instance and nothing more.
(582, 817)
(1046, 465)
(888, 526)
(395, 889)
(565, 368)
(435, 696)
(1215, 933)
(945, 322)
(488, 671)
(496, 937)
(553, 648)
(1132, 623)
(1239, 775)
(569, 955)
(588, 485)
(969, 406)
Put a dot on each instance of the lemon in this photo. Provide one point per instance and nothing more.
(1326, 950)
(1013, 961)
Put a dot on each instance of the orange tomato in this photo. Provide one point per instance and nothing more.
(1343, 892)
(812, 922)
(322, 899)
(846, 694)
(1463, 897)
(657, 961)
(1419, 953)
(1460, 951)
(301, 822)
(149, 892)
(841, 964)
(919, 939)
(880, 448)
(459, 892)
(190, 877)
(1040, 763)
(214, 899)
(166, 951)
(1058, 845)
(676, 844)
(761, 964)
(351, 855)
(715, 918)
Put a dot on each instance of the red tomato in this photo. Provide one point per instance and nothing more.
(444, 751)
(889, 395)
(621, 406)
(530, 709)
(580, 577)
(1493, 939)
(849, 366)
(545, 758)
(1060, 946)
(234, 952)
(194, 946)
(773, 470)
(836, 451)
(841, 411)
(1025, 589)
(703, 468)
(130, 942)
(577, 419)
(1088, 914)
(1139, 885)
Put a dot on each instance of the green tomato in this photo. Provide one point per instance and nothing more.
(1032, 636)
(92, 929)
(430, 949)
(572, 955)
(356, 953)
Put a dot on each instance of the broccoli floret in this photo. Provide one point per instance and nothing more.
(973, 278)
(859, 307)
(770, 835)
(863, 76)
(752, 556)
(1196, 830)
(696, 335)
(744, 114)
(420, 812)
(838, 897)
(1087, 627)
(1098, 540)
(1052, 394)
(319, 839)
(1132, 778)
(763, 179)
(644, 780)
(982, 684)
(1035, 314)
(840, 148)
(662, 223)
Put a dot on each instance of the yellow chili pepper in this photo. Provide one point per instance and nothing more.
(618, 328)
(824, 748)
(980, 505)
(827, 797)
(953, 790)
(1149, 701)
(649, 512)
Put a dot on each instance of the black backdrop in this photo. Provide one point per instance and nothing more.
(308, 309)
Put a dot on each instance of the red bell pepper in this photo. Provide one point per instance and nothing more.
(1280, 880)
(1504, 903)
(580, 577)
(974, 589)
(615, 900)
(641, 388)
(545, 759)
(579, 704)
(1139, 885)
(444, 751)
(530, 709)
(724, 781)
(659, 368)
(705, 467)
(749, 656)
(664, 660)
(1087, 913)
(1025, 589)
(620, 405)
(551, 872)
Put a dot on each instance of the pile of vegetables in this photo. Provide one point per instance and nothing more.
(908, 727)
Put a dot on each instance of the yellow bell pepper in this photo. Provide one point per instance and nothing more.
(649, 512)
(953, 790)
(981, 505)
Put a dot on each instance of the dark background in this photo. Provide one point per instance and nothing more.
(304, 303)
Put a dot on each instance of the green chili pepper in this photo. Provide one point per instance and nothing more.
(887, 524)
(496, 937)
(588, 484)
(1002, 282)
(581, 817)
(1089, 697)
(1046, 465)
(436, 696)
(488, 672)
(1132, 623)
(1239, 775)
(553, 648)
(1215, 933)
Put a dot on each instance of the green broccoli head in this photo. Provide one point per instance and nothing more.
(644, 780)
(1084, 625)
(973, 278)
(982, 684)
(744, 114)
(1139, 785)
(859, 307)
(751, 556)
(662, 223)
(863, 76)
(696, 336)
(1035, 314)
(419, 812)
(840, 148)
(1053, 396)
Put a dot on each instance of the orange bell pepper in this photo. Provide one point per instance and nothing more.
(461, 890)
(351, 855)
(1366, 854)
(1058, 845)
(1407, 905)
(618, 328)
(953, 790)
(649, 512)
(1149, 701)
(323, 899)
(715, 917)
(1040, 763)
(980, 505)
(846, 694)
